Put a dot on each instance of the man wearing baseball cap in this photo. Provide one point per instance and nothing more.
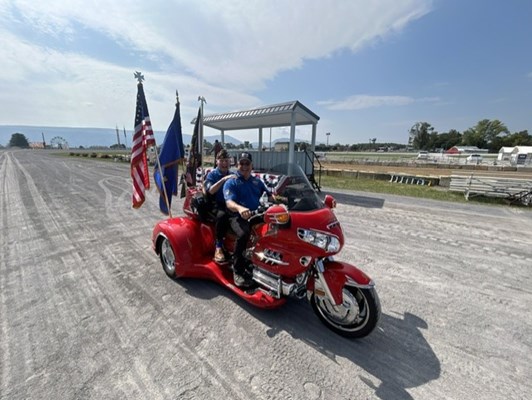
(213, 188)
(242, 196)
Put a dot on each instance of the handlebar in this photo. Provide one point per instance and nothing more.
(263, 207)
(259, 211)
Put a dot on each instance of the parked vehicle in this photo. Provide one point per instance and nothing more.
(474, 159)
(290, 251)
(423, 155)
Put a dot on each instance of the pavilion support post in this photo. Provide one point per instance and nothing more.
(260, 147)
(291, 146)
(313, 139)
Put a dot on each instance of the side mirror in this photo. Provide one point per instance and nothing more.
(330, 201)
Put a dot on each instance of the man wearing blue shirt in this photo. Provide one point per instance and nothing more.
(213, 188)
(242, 196)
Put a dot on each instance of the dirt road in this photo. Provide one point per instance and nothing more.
(86, 311)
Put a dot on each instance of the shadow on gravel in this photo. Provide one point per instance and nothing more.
(396, 356)
(355, 200)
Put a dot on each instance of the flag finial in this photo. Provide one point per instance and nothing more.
(138, 76)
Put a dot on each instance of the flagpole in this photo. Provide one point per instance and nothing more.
(162, 181)
(200, 133)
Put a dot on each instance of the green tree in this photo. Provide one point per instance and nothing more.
(446, 140)
(485, 134)
(19, 140)
(434, 141)
(522, 138)
(419, 135)
(454, 138)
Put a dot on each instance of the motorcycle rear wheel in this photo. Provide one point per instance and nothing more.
(356, 317)
(166, 253)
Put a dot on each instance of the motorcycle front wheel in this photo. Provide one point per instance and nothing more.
(356, 317)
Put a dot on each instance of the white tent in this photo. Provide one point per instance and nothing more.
(505, 153)
(521, 155)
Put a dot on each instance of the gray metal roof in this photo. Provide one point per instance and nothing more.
(275, 115)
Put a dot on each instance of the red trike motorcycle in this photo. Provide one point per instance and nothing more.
(290, 251)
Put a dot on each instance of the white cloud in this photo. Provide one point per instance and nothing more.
(69, 89)
(360, 102)
(239, 42)
(225, 50)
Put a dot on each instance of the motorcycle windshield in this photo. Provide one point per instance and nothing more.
(295, 189)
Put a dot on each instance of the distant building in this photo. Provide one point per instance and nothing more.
(36, 145)
(283, 146)
(465, 150)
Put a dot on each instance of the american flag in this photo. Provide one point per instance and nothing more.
(142, 139)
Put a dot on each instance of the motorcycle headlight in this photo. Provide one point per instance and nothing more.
(319, 239)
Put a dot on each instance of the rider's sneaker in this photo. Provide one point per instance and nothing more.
(242, 281)
(219, 255)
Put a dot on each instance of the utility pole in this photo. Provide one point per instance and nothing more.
(125, 138)
(43, 141)
(117, 136)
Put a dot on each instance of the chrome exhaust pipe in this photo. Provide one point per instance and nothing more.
(269, 281)
(273, 283)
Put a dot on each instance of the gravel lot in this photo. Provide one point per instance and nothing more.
(86, 311)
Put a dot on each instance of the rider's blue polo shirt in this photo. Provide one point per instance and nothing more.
(245, 192)
(212, 177)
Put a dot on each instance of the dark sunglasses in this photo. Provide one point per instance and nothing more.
(243, 162)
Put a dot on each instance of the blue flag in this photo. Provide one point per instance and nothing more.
(172, 151)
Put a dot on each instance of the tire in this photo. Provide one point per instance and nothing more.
(167, 256)
(358, 315)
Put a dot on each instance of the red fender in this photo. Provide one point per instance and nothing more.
(337, 274)
(191, 240)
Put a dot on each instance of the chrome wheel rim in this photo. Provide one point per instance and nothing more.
(167, 257)
(352, 315)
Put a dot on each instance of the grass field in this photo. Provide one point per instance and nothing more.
(379, 186)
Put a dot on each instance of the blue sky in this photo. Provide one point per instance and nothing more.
(368, 68)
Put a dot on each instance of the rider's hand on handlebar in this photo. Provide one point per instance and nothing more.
(278, 199)
(246, 213)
